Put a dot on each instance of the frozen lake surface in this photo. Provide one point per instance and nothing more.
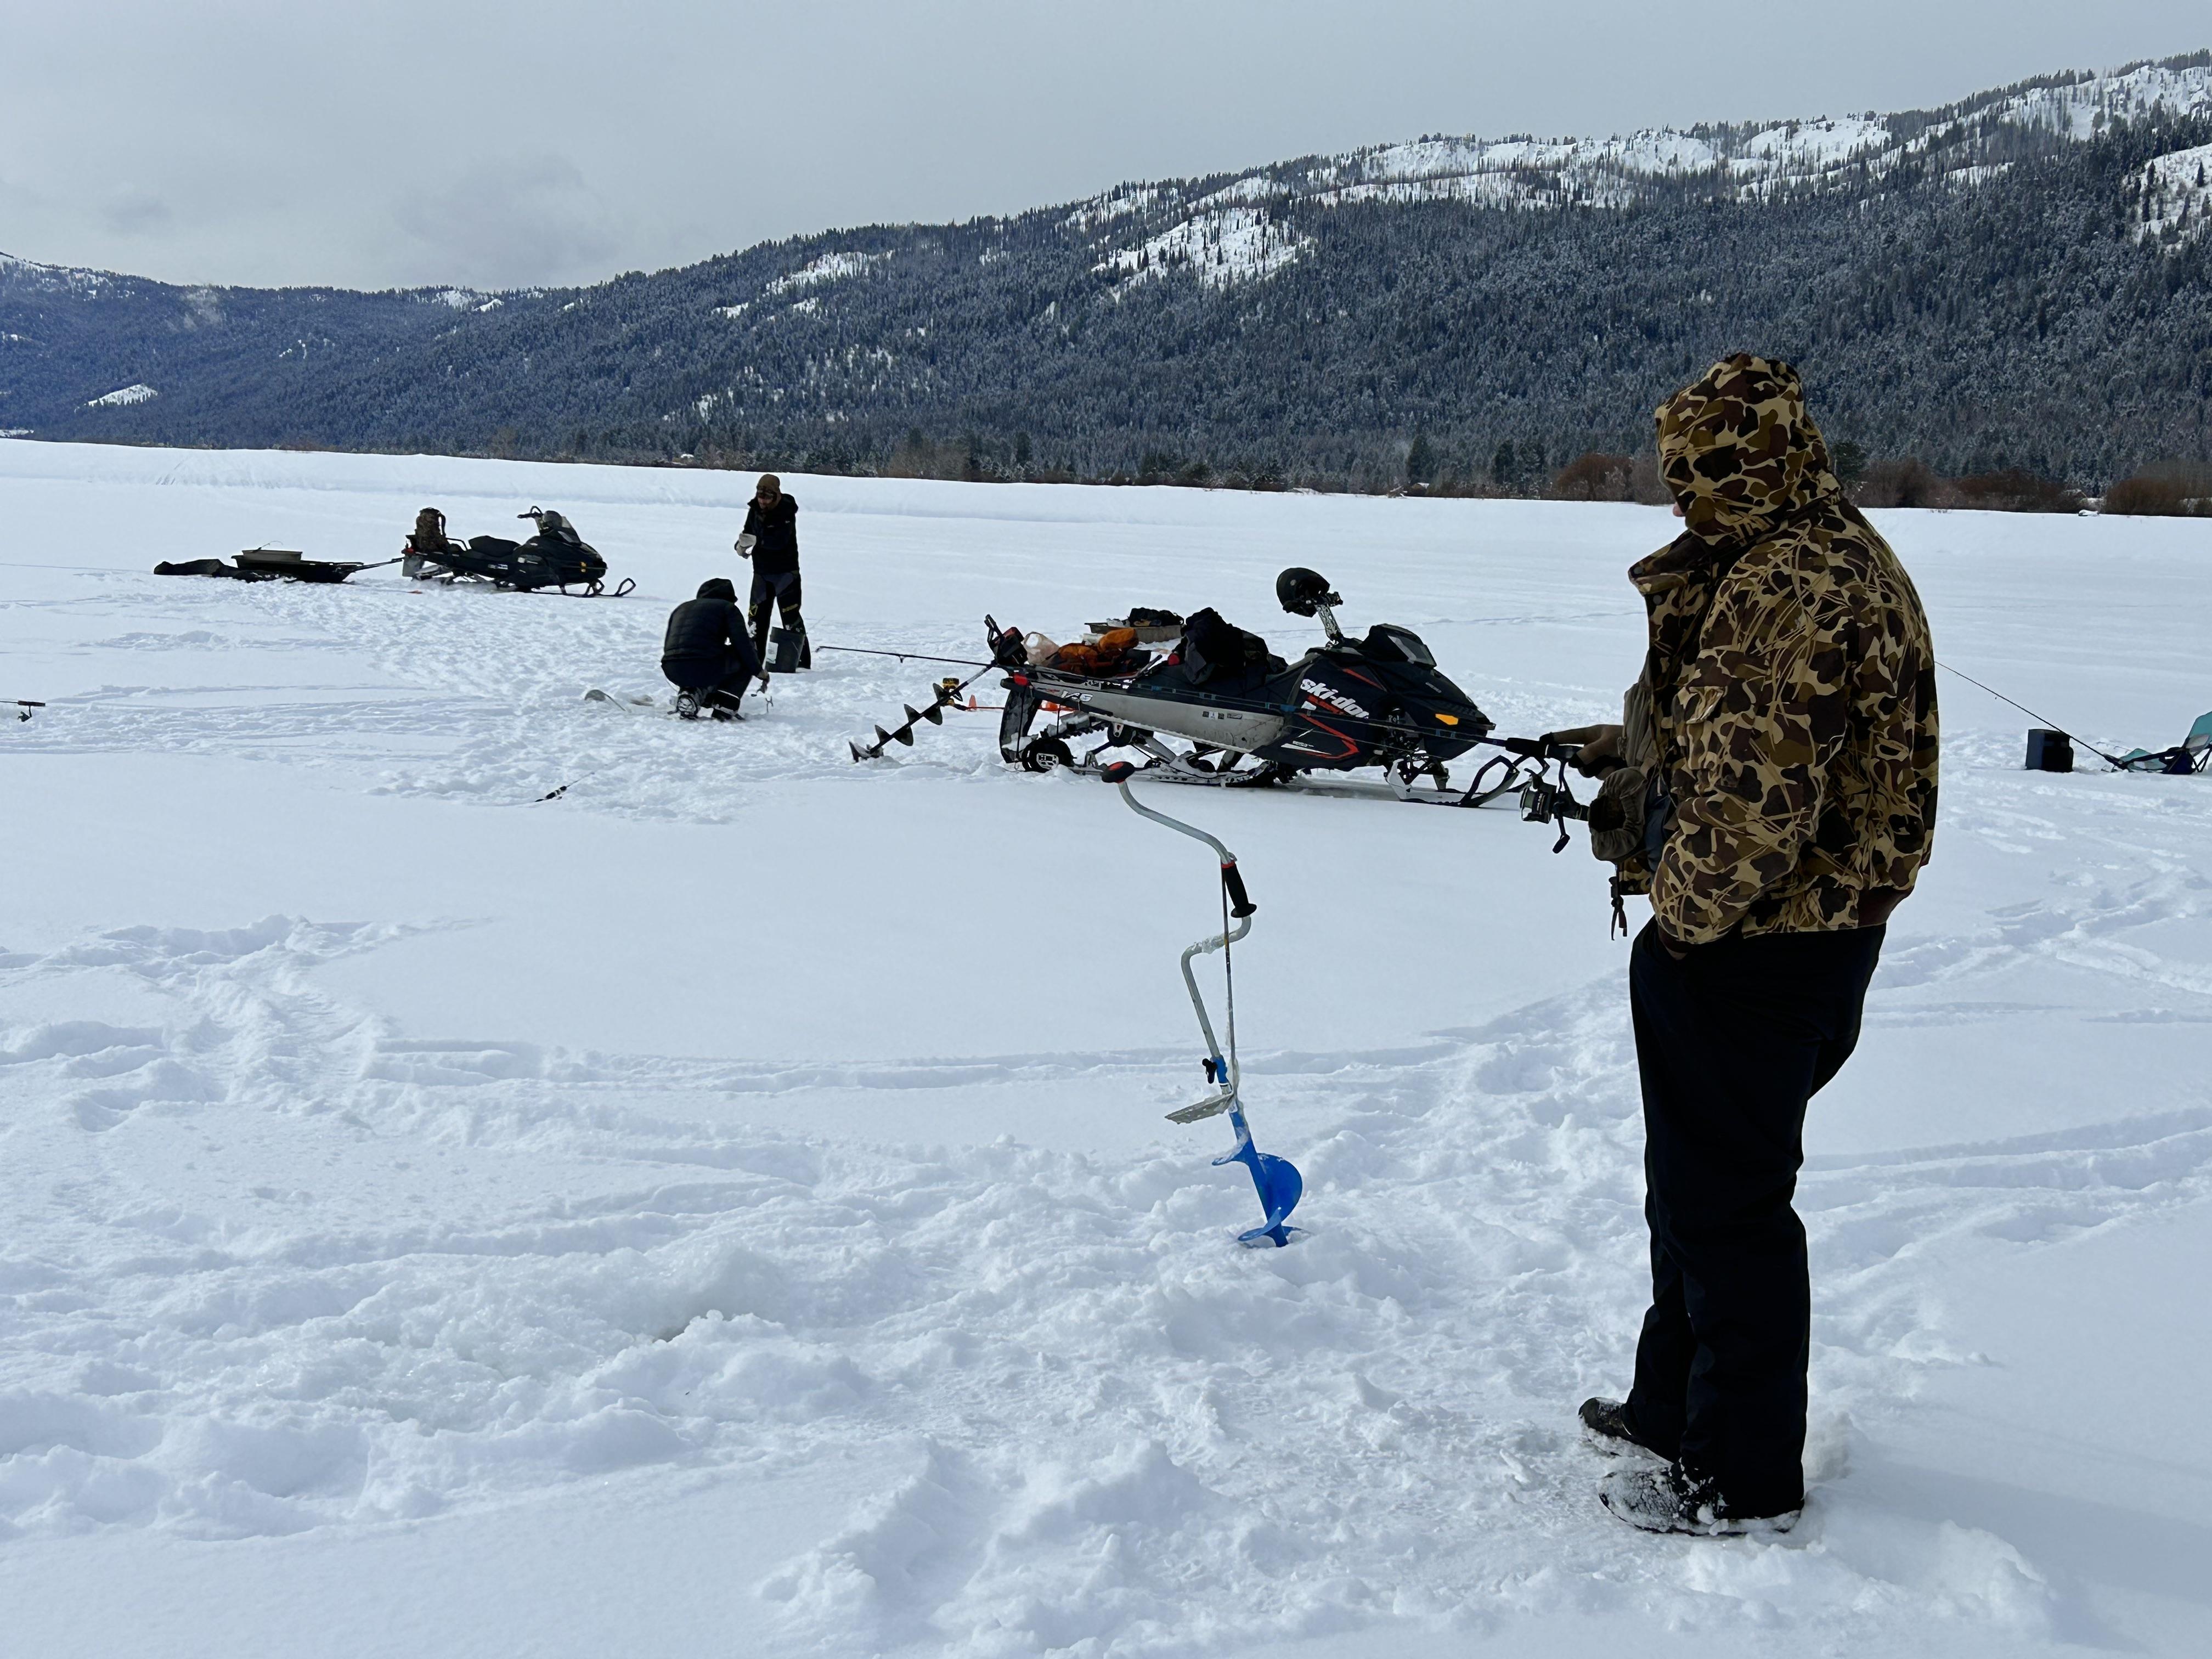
(727, 1208)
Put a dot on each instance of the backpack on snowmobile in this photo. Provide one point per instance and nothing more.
(1217, 654)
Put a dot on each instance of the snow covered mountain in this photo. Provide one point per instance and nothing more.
(2014, 279)
(1221, 233)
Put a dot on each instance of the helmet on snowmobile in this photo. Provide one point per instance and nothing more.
(1301, 592)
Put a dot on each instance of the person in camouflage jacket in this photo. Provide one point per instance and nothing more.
(1773, 789)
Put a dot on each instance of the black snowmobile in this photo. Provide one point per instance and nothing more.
(1246, 718)
(556, 557)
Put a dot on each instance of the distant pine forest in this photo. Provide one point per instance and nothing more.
(1987, 324)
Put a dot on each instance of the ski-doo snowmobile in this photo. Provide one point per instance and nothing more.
(556, 557)
(1244, 717)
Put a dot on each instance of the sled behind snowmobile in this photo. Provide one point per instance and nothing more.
(266, 564)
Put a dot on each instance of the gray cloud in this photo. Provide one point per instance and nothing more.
(496, 141)
(132, 212)
(509, 222)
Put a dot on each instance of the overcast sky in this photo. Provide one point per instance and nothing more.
(490, 143)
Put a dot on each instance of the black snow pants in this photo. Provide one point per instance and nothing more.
(1731, 1041)
(777, 590)
(716, 679)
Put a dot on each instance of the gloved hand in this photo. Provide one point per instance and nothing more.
(745, 545)
(1600, 748)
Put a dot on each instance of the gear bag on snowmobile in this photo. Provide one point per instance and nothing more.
(1114, 652)
(429, 535)
(1217, 653)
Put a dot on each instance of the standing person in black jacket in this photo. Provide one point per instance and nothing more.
(771, 542)
(708, 655)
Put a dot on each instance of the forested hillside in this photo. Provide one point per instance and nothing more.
(2021, 279)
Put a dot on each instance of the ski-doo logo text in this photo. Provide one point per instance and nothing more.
(1331, 696)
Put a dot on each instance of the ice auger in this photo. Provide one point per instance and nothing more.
(1276, 1179)
(1005, 647)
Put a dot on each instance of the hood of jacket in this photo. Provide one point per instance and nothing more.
(1739, 453)
(718, 587)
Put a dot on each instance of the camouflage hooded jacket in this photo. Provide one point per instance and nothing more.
(1791, 674)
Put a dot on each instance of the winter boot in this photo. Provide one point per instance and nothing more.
(687, 705)
(1672, 1499)
(1605, 1428)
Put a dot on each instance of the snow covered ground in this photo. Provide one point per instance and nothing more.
(726, 1209)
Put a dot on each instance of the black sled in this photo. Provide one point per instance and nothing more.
(269, 564)
(555, 557)
(1219, 709)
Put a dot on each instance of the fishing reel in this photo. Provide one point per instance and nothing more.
(1546, 799)
(1543, 801)
(1007, 650)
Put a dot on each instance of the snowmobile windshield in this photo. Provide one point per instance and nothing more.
(1739, 451)
(1394, 644)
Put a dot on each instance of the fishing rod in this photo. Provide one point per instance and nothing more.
(2048, 724)
(908, 656)
(24, 706)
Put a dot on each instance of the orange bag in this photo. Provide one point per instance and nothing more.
(1108, 654)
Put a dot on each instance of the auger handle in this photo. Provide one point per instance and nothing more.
(1240, 902)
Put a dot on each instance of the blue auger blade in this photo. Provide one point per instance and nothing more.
(1276, 1181)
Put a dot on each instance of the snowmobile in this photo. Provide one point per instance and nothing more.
(1245, 718)
(555, 557)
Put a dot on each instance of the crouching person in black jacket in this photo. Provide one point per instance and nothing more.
(708, 655)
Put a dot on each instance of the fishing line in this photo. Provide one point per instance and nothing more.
(2045, 719)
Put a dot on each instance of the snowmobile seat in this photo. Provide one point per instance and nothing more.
(2191, 754)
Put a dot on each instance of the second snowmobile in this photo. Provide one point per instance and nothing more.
(556, 557)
